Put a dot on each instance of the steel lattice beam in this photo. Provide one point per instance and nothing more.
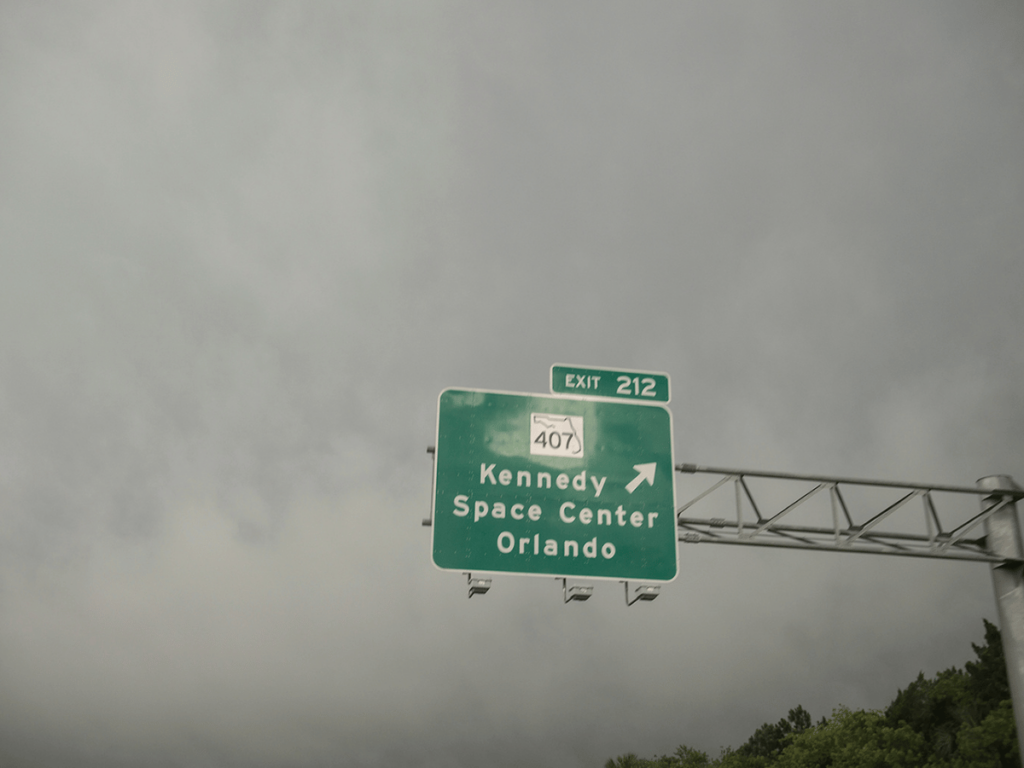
(845, 535)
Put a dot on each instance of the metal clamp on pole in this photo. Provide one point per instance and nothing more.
(646, 592)
(580, 592)
(477, 586)
(428, 520)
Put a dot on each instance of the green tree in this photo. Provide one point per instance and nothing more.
(964, 716)
(958, 719)
(769, 740)
(935, 708)
(986, 678)
(990, 744)
(628, 760)
(687, 757)
(854, 739)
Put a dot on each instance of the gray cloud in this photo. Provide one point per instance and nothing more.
(246, 246)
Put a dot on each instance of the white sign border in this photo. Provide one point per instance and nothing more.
(621, 401)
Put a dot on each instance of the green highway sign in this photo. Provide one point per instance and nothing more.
(557, 486)
(605, 382)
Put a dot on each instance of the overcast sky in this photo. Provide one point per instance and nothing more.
(243, 247)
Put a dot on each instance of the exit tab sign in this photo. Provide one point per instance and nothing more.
(606, 382)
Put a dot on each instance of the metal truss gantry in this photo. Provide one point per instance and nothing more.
(997, 542)
(753, 525)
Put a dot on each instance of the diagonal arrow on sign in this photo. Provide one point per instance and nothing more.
(646, 473)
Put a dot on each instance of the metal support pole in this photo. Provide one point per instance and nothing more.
(1004, 539)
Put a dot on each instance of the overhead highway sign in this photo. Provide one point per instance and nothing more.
(542, 485)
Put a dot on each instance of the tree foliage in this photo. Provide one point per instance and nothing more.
(958, 719)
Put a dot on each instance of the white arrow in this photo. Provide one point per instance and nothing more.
(646, 473)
